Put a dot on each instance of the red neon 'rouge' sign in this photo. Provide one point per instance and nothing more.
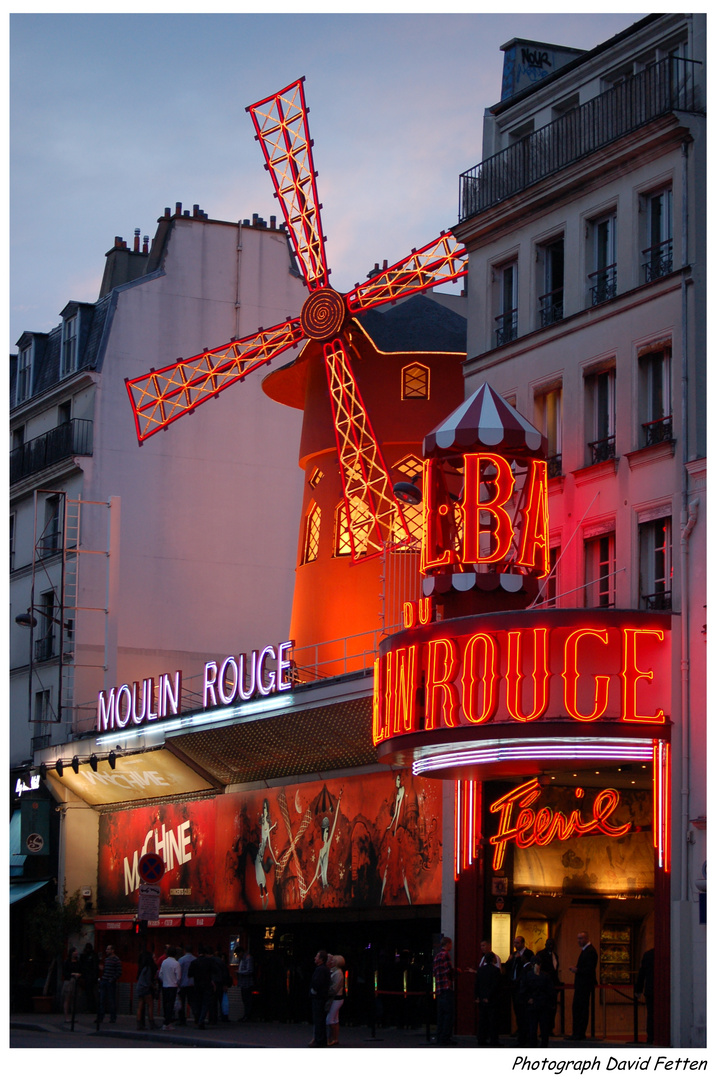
(526, 827)
(479, 530)
(521, 668)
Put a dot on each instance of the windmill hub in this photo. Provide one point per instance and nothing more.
(323, 314)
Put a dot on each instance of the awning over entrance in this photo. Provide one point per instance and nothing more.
(314, 740)
(20, 889)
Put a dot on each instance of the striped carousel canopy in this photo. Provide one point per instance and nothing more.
(485, 421)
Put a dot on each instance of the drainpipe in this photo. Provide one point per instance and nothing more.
(237, 300)
(688, 520)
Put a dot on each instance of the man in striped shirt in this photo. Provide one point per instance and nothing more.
(108, 985)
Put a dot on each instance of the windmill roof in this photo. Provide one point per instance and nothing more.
(419, 324)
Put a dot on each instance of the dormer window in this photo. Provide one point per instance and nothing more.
(69, 344)
(23, 386)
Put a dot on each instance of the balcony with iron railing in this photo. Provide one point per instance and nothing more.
(659, 260)
(67, 440)
(657, 431)
(602, 449)
(604, 284)
(667, 86)
(658, 601)
(507, 326)
(551, 307)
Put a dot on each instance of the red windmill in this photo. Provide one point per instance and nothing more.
(163, 396)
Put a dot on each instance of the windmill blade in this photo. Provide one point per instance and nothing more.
(163, 396)
(280, 122)
(373, 514)
(436, 263)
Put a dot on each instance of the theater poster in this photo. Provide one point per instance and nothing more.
(183, 833)
(358, 841)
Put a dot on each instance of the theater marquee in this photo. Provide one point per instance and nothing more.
(514, 674)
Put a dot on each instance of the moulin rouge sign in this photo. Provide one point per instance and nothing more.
(237, 678)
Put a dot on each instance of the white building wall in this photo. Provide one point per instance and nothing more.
(671, 475)
(208, 510)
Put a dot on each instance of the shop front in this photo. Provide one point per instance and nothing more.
(351, 863)
(553, 729)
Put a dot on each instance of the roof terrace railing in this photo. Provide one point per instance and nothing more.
(668, 85)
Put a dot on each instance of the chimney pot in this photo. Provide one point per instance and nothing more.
(145, 244)
(273, 221)
(137, 240)
(178, 209)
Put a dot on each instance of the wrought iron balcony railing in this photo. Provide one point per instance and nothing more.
(45, 648)
(551, 307)
(554, 467)
(603, 284)
(658, 431)
(66, 440)
(668, 85)
(659, 260)
(658, 601)
(602, 449)
(507, 326)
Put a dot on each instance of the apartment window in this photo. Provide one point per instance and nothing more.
(311, 534)
(415, 381)
(600, 559)
(45, 641)
(410, 469)
(550, 264)
(506, 283)
(23, 385)
(602, 279)
(49, 541)
(549, 587)
(657, 256)
(654, 370)
(64, 413)
(69, 345)
(42, 713)
(547, 417)
(601, 400)
(655, 564)
(316, 477)
(565, 107)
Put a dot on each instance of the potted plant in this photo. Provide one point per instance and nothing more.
(49, 925)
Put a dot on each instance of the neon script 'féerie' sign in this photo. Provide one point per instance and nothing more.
(525, 827)
(521, 667)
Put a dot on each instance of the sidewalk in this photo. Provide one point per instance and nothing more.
(261, 1035)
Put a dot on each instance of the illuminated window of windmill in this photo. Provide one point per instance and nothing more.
(410, 467)
(362, 523)
(311, 534)
(415, 381)
(315, 478)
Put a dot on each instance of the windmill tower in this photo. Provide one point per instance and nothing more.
(340, 380)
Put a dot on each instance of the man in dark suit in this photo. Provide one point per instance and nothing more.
(583, 984)
(518, 965)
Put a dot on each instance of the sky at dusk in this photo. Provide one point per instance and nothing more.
(114, 117)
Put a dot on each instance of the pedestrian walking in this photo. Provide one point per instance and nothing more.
(170, 975)
(444, 984)
(336, 997)
(145, 990)
(245, 981)
(187, 995)
(71, 974)
(111, 972)
(318, 994)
